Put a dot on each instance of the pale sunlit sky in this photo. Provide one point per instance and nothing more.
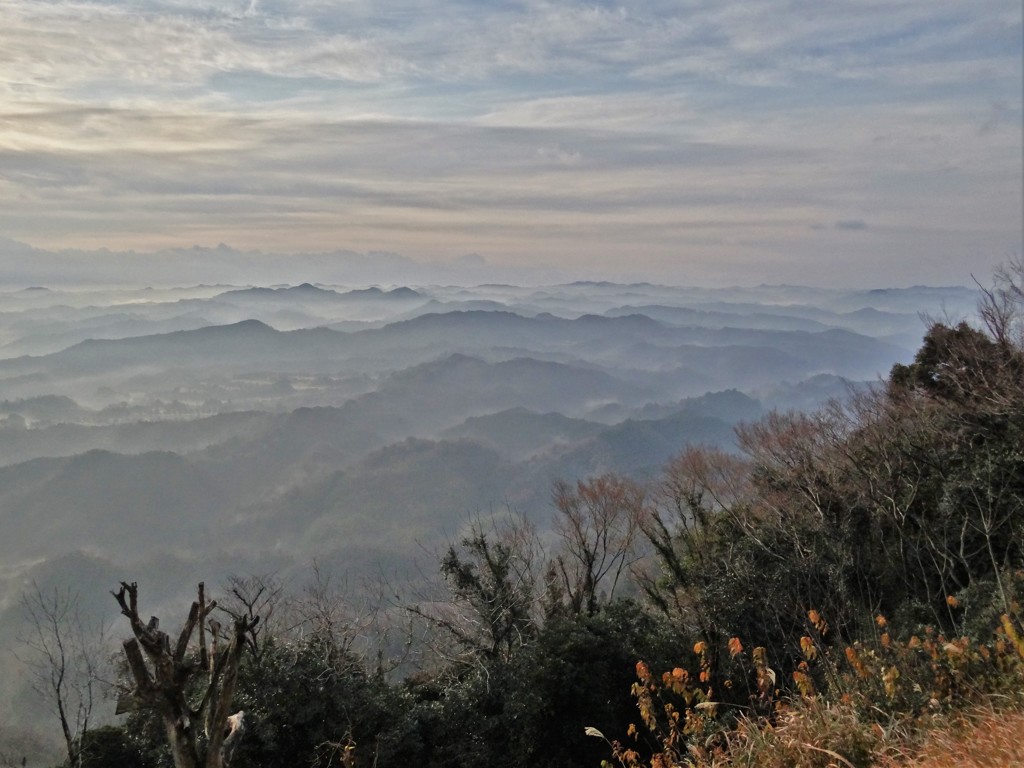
(843, 142)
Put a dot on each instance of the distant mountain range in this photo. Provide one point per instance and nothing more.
(215, 429)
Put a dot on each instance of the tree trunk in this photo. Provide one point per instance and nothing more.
(183, 748)
(163, 683)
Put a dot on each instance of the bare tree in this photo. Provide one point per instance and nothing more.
(202, 732)
(256, 596)
(599, 523)
(1002, 305)
(349, 624)
(699, 488)
(62, 652)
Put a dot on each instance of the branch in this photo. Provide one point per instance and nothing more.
(227, 670)
(204, 660)
(197, 615)
(142, 695)
(131, 608)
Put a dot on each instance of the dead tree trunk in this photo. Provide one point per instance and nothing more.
(201, 733)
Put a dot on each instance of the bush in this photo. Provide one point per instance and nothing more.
(872, 701)
(109, 746)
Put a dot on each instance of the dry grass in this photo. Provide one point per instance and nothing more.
(926, 702)
(980, 738)
(814, 736)
(808, 735)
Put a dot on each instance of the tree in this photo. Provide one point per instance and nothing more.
(964, 423)
(1002, 305)
(491, 606)
(312, 706)
(571, 677)
(599, 524)
(894, 501)
(255, 597)
(191, 693)
(62, 654)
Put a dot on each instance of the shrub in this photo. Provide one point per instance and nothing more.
(871, 700)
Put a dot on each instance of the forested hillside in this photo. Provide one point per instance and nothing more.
(832, 593)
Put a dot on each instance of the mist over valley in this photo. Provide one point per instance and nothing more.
(200, 420)
(221, 429)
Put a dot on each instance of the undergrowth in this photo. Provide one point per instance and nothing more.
(920, 699)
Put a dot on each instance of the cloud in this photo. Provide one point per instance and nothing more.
(71, 47)
(526, 131)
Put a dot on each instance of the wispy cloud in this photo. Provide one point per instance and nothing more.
(659, 133)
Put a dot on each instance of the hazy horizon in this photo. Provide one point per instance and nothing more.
(25, 266)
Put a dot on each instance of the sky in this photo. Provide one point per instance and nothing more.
(829, 142)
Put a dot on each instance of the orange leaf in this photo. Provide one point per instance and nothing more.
(808, 648)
